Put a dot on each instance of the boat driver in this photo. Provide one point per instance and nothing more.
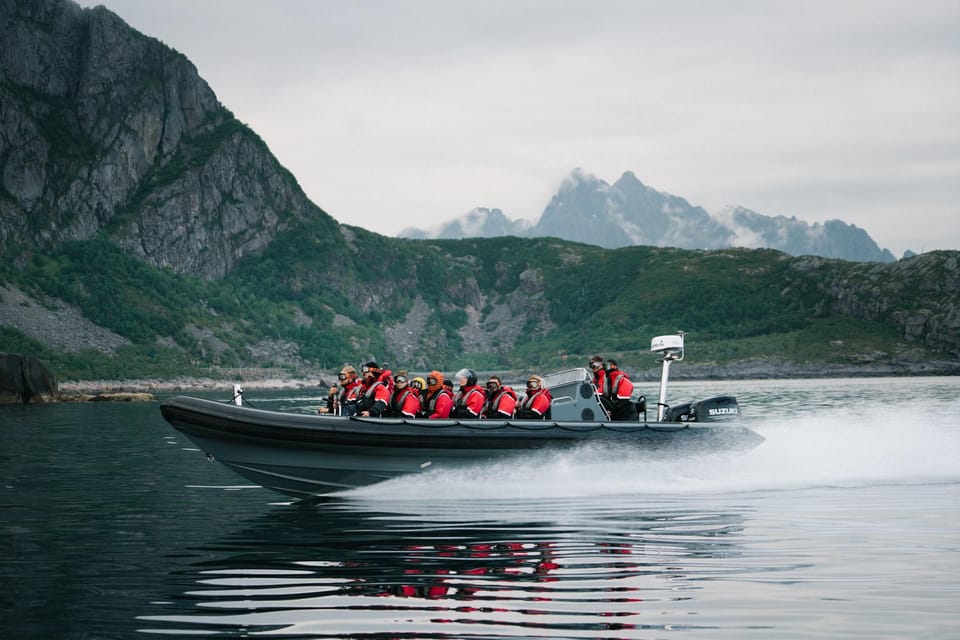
(617, 392)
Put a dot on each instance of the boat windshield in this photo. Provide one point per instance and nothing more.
(561, 378)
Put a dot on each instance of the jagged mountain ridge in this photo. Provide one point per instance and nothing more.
(628, 212)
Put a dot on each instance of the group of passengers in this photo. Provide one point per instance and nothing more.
(378, 393)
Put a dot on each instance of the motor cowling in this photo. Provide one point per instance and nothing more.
(716, 409)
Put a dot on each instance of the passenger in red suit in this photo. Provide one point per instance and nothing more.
(617, 392)
(438, 401)
(470, 399)
(345, 401)
(405, 402)
(599, 374)
(536, 403)
(375, 392)
(501, 400)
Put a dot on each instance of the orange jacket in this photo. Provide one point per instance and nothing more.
(438, 404)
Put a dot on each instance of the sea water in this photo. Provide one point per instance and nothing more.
(842, 524)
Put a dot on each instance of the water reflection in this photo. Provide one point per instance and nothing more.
(495, 569)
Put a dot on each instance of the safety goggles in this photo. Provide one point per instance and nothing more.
(596, 365)
(431, 381)
(533, 384)
(400, 379)
(492, 386)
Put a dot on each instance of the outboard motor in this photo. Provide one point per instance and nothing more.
(716, 409)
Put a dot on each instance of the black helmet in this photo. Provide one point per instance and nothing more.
(469, 374)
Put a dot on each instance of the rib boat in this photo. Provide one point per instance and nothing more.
(304, 455)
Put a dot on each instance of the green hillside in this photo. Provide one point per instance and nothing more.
(314, 299)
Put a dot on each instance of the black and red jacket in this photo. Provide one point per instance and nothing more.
(375, 395)
(536, 405)
(405, 403)
(469, 402)
(502, 404)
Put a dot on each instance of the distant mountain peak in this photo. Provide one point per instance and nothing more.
(587, 209)
(580, 179)
(480, 222)
(629, 178)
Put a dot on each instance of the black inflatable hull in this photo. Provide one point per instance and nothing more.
(304, 455)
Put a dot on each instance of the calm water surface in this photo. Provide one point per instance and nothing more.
(843, 524)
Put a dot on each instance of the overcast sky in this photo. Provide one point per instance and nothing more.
(409, 113)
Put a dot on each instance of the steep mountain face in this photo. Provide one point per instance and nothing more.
(107, 133)
(629, 213)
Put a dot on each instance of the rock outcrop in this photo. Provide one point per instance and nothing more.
(919, 296)
(23, 379)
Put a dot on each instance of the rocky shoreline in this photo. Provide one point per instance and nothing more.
(25, 380)
(185, 384)
(748, 370)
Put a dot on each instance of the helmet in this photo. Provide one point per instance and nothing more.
(469, 374)
(419, 383)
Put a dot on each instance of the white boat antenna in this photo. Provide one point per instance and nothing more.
(671, 348)
(238, 395)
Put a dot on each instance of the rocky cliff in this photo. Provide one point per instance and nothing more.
(919, 296)
(105, 132)
(23, 379)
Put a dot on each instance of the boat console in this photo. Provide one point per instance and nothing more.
(574, 397)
